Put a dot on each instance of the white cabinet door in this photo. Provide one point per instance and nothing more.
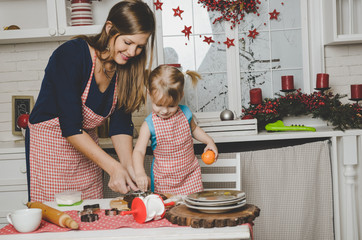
(12, 171)
(342, 21)
(46, 20)
(10, 201)
(36, 19)
(13, 183)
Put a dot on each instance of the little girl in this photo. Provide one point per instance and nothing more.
(175, 168)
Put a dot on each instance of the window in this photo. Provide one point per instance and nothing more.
(230, 72)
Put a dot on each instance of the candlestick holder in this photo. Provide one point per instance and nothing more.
(322, 89)
(355, 99)
(286, 91)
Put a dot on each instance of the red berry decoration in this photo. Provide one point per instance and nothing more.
(23, 120)
(247, 117)
(233, 11)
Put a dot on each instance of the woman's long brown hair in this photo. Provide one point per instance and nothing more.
(128, 17)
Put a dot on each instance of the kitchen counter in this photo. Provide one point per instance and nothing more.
(321, 132)
(346, 157)
(169, 233)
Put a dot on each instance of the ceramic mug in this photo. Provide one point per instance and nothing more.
(25, 220)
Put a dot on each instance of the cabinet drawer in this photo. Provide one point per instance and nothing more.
(9, 201)
(12, 156)
(12, 171)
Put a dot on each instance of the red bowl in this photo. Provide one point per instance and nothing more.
(81, 1)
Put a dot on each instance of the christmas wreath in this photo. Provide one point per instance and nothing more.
(233, 11)
(327, 107)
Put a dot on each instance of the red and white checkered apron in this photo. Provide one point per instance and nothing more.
(56, 166)
(176, 169)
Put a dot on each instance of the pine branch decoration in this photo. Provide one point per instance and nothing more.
(327, 107)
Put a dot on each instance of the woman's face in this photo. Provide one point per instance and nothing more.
(127, 46)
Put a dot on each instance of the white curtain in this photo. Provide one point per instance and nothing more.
(293, 188)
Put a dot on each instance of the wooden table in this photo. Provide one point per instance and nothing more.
(169, 233)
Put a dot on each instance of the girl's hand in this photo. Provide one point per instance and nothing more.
(211, 146)
(142, 181)
(131, 173)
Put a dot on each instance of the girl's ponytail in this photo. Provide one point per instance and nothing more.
(195, 77)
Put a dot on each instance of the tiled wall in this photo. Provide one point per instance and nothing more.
(22, 69)
(344, 66)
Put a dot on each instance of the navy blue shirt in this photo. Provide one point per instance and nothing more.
(65, 79)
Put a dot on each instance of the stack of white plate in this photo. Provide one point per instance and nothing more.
(81, 13)
(216, 201)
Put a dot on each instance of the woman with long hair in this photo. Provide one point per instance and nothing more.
(87, 80)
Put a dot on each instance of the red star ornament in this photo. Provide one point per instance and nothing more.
(253, 33)
(208, 40)
(158, 5)
(178, 12)
(274, 14)
(187, 32)
(229, 42)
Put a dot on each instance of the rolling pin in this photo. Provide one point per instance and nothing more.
(54, 216)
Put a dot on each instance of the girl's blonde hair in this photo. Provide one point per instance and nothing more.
(128, 17)
(166, 84)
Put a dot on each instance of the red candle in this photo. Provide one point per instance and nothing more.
(255, 96)
(356, 91)
(176, 65)
(287, 83)
(322, 80)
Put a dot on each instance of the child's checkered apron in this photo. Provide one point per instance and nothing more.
(176, 168)
(56, 166)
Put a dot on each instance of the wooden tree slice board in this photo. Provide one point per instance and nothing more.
(184, 216)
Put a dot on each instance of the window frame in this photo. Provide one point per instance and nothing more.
(312, 52)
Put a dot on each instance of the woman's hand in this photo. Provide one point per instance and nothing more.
(142, 181)
(120, 181)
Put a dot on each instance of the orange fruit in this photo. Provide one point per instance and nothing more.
(208, 157)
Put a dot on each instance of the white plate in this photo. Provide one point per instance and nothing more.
(81, 15)
(216, 196)
(82, 22)
(213, 204)
(81, 4)
(81, 12)
(217, 209)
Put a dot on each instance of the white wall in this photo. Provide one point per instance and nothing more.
(22, 69)
(344, 66)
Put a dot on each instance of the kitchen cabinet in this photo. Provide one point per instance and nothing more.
(342, 21)
(13, 183)
(46, 20)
